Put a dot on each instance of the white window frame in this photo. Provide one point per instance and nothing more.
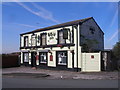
(43, 54)
(60, 35)
(60, 58)
(26, 41)
(26, 57)
(43, 39)
(33, 40)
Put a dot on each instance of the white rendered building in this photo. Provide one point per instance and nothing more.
(63, 46)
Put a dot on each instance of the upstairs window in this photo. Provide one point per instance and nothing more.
(25, 41)
(33, 40)
(60, 37)
(63, 35)
(43, 39)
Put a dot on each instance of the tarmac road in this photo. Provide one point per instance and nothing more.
(16, 82)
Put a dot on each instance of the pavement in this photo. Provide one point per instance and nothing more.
(27, 77)
(28, 72)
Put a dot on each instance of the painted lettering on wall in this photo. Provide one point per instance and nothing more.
(51, 35)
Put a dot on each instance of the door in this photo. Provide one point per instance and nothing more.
(33, 59)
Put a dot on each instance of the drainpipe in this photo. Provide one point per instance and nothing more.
(77, 41)
(76, 27)
(80, 40)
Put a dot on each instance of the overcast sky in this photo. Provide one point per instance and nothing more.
(22, 17)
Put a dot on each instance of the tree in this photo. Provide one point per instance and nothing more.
(116, 50)
(116, 54)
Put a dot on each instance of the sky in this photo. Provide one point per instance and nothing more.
(20, 17)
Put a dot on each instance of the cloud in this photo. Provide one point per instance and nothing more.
(26, 25)
(113, 36)
(45, 13)
(41, 12)
(114, 18)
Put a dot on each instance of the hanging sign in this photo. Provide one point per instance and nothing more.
(51, 57)
(37, 57)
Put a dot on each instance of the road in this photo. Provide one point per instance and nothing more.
(16, 82)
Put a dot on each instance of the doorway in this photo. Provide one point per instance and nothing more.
(26, 58)
(33, 59)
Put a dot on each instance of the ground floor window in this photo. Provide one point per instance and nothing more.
(62, 58)
(43, 57)
(26, 57)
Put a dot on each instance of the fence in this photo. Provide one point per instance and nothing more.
(10, 61)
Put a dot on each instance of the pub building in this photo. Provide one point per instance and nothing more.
(62, 46)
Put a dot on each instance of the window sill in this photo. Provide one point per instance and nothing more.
(43, 62)
(61, 64)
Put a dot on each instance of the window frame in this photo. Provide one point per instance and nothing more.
(42, 39)
(24, 57)
(61, 64)
(34, 36)
(26, 45)
(46, 53)
(59, 37)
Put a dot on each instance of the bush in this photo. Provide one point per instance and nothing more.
(116, 53)
(116, 50)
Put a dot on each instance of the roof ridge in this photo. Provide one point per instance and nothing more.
(61, 25)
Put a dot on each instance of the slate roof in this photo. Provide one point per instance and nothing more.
(61, 25)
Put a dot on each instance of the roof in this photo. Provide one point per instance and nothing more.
(61, 25)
